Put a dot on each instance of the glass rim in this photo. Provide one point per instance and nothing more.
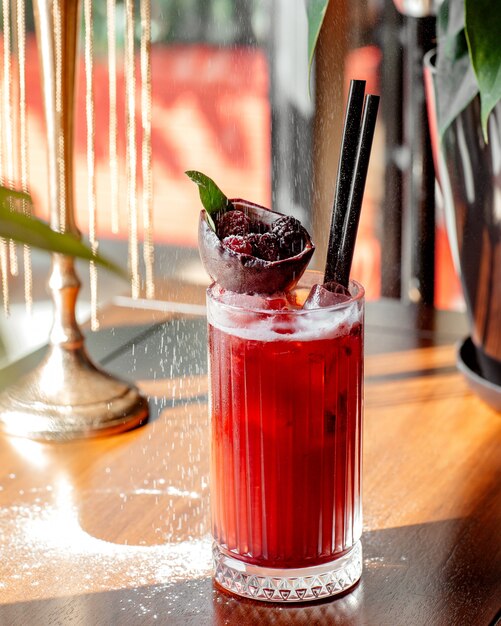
(359, 296)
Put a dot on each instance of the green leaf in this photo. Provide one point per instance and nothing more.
(8, 195)
(456, 82)
(34, 232)
(483, 24)
(211, 222)
(315, 11)
(213, 199)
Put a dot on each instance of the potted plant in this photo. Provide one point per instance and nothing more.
(464, 93)
(463, 87)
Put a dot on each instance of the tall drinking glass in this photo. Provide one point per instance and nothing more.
(286, 423)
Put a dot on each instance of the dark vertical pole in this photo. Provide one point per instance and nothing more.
(392, 114)
(242, 17)
(277, 116)
(418, 228)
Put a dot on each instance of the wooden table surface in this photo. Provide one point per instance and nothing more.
(116, 531)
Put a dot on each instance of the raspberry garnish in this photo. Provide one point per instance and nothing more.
(239, 244)
(240, 234)
(265, 246)
(233, 223)
(290, 235)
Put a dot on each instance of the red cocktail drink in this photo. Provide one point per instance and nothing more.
(286, 410)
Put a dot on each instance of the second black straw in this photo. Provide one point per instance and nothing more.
(358, 134)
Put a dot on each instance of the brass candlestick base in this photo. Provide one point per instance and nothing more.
(68, 397)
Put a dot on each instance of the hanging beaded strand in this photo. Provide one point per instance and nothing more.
(113, 123)
(58, 52)
(7, 113)
(91, 160)
(146, 106)
(131, 153)
(23, 145)
(4, 249)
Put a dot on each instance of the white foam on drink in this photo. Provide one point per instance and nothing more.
(283, 325)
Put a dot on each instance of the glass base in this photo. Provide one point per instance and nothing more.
(287, 585)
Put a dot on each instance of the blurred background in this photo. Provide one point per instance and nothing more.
(231, 98)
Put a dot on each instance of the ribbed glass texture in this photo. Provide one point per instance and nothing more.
(286, 410)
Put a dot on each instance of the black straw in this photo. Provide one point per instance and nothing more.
(352, 217)
(351, 131)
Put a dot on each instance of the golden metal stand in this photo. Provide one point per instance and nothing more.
(67, 396)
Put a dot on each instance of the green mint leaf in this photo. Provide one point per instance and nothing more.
(482, 24)
(210, 221)
(213, 199)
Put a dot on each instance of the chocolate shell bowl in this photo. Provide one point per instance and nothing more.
(244, 273)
